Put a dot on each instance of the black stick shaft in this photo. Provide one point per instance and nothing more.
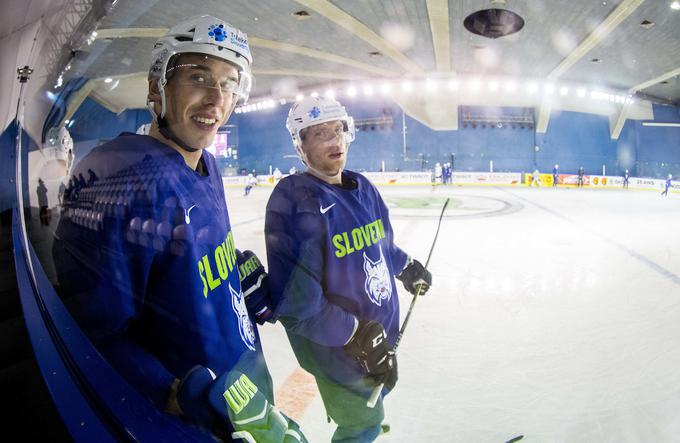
(373, 399)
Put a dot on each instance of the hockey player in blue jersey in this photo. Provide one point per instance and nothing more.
(556, 175)
(667, 185)
(146, 254)
(626, 176)
(332, 263)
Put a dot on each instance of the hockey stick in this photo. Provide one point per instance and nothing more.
(372, 400)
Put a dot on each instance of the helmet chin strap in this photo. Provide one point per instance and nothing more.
(168, 133)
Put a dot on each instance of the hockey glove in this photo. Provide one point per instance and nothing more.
(369, 347)
(233, 398)
(391, 377)
(254, 285)
(415, 275)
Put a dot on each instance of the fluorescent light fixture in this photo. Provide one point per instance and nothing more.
(581, 92)
(329, 93)
(564, 90)
(662, 125)
(453, 85)
(352, 91)
(314, 94)
(108, 80)
(299, 97)
(675, 5)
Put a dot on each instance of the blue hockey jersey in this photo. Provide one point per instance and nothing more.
(332, 260)
(147, 254)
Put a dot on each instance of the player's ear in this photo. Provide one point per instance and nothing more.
(154, 93)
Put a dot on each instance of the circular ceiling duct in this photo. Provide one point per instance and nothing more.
(493, 23)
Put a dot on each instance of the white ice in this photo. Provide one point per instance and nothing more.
(556, 317)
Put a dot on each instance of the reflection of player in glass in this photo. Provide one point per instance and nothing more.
(625, 179)
(160, 288)
(332, 262)
(556, 175)
(667, 185)
(581, 173)
(536, 178)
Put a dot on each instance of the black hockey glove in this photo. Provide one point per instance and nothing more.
(254, 285)
(369, 347)
(390, 379)
(414, 275)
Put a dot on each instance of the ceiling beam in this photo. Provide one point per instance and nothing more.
(617, 127)
(256, 42)
(438, 12)
(613, 20)
(543, 117)
(321, 55)
(303, 73)
(655, 80)
(355, 27)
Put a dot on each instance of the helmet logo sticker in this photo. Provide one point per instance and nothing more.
(217, 32)
(314, 112)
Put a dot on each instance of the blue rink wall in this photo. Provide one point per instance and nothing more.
(572, 140)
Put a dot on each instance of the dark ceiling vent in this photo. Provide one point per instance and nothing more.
(646, 24)
(375, 53)
(665, 82)
(493, 23)
(301, 15)
(595, 60)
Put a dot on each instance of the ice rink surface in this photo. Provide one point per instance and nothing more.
(554, 314)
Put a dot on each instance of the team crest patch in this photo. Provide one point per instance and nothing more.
(245, 326)
(314, 112)
(378, 283)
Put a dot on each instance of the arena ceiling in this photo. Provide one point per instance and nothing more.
(304, 45)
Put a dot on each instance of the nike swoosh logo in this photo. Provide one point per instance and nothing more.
(326, 209)
(187, 219)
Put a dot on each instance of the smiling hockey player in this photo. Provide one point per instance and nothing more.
(158, 288)
(332, 262)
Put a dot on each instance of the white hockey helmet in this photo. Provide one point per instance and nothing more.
(312, 111)
(203, 35)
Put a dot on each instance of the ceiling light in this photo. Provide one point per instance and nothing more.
(329, 93)
(430, 85)
(564, 90)
(352, 91)
(299, 97)
(108, 80)
(314, 94)
(675, 5)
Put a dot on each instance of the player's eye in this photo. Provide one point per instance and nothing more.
(198, 79)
